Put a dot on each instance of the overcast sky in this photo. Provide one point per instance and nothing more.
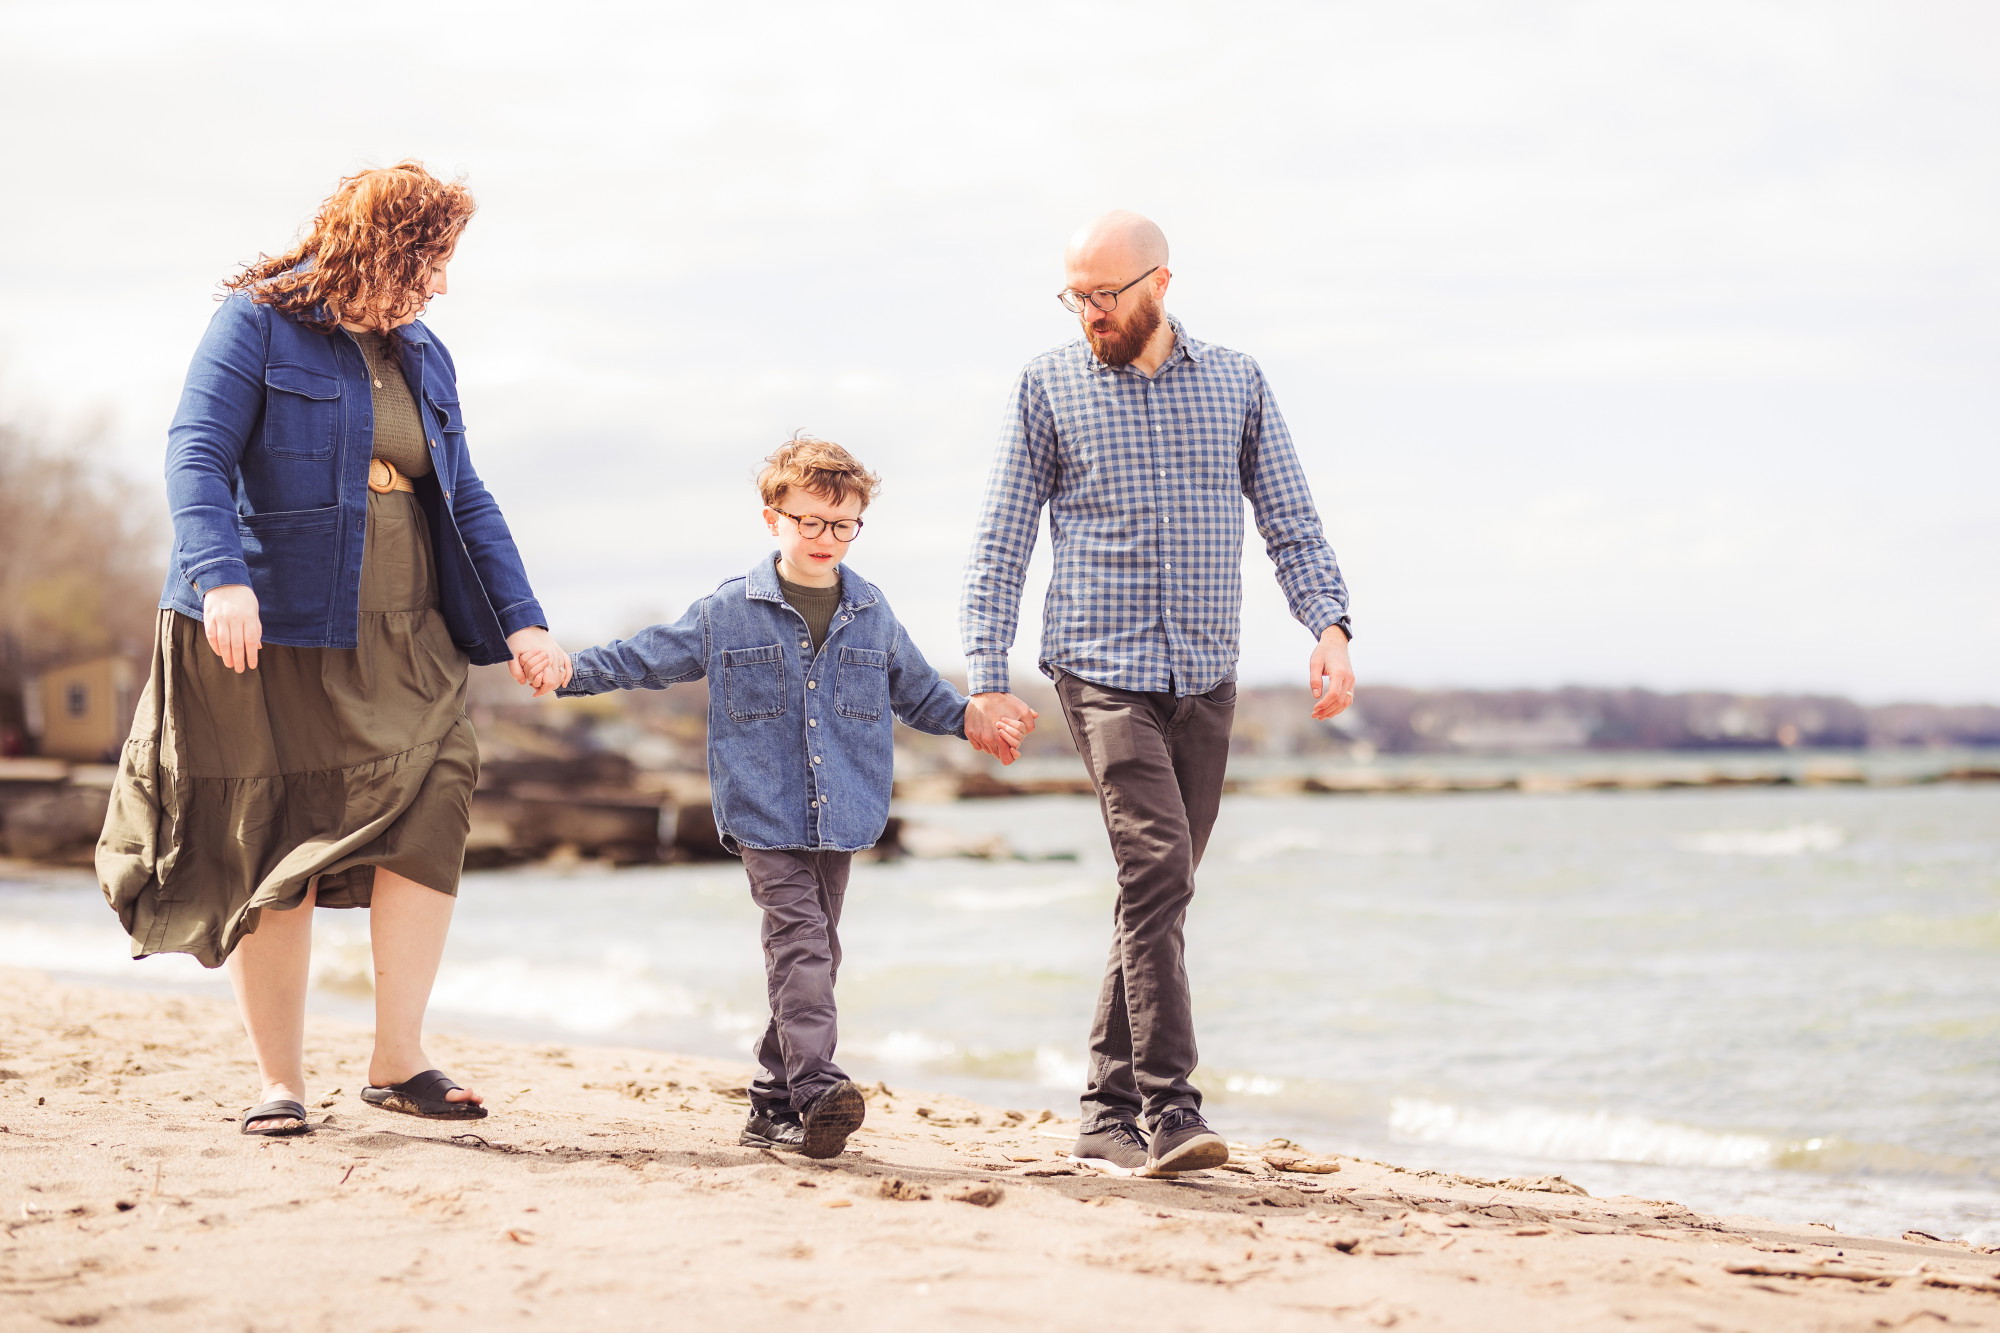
(1624, 343)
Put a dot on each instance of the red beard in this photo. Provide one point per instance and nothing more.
(1120, 347)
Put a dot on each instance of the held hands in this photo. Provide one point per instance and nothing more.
(538, 660)
(995, 723)
(1011, 735)
(229, 618)
(1330, 676)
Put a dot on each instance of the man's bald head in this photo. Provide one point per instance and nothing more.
(1116, 242)
(1124, 253)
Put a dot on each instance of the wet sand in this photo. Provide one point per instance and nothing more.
(607, 1190)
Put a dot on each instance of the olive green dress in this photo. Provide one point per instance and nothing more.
(239, 792)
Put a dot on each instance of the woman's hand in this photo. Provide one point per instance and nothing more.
(229, 616)
(538, 660)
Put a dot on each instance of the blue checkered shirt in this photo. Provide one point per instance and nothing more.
(1145, 481)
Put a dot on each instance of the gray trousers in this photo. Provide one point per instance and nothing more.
(1157, 762)
(801, 894)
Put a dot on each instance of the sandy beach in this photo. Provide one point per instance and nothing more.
(606, 1189)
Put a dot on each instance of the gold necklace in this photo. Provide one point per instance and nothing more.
(367, 360)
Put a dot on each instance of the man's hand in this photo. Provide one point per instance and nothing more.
(538, 660)
(982, 724)
(1330, 676)
(229, 618)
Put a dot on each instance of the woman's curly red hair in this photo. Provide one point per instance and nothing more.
(368, 256)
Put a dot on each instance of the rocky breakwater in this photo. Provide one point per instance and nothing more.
(52, 810)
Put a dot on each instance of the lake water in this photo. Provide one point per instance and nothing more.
(1781, 1002)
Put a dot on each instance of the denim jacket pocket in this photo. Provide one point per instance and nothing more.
(861, 685)
(281, 548)
(301, 411)
(753, 682)
(447, 417)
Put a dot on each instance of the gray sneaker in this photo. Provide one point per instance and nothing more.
(1117, 1146)
(1182, 1141)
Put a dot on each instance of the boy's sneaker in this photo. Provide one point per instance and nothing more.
(829, 1118)
(1182, 1141)
(1117, 1146)
(773, 1129)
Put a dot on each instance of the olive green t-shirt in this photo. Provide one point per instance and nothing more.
(399, 430)
(817, 605)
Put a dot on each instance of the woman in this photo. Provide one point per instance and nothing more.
(302, 739)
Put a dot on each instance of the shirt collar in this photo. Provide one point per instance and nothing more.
(1184, 348)
(855, 591)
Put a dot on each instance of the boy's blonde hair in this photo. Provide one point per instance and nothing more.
(815, 465)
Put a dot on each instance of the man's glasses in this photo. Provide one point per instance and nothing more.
(844, 530)
(1103, 298)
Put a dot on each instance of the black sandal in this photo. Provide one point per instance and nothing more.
(423, 1096)
(277, 1111)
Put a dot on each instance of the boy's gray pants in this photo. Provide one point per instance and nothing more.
(800, 893)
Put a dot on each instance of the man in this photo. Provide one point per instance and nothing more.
(1143, 443)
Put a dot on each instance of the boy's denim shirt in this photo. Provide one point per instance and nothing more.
(800, 745)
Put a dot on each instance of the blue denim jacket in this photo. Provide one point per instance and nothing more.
(800, 745)
(267, 479)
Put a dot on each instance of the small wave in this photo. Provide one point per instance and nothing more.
(1057, 1068)
(904, 1047)
(616, 993)
(1602, 1136)
(1597, 1136)
(1290, 840)
(967, 898)
(86, 952)
(1797, 840)
(1047, 1066)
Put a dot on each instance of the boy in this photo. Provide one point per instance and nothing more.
(808, 672)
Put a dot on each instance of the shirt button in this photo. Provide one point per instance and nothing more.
(434, 444)
(812, 721)
(804, 643)
(1163, 472)
(1168, 563)
(815, 759)
(812, 684)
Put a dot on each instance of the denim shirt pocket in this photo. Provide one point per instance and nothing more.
(861, 685)
(753, 682)
(301, 411)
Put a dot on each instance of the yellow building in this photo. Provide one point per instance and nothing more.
(86, 709)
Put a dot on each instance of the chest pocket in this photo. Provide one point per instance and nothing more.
(1212, 453)
(753, 682)
(861, 686)
(447, 433)
(301, 411)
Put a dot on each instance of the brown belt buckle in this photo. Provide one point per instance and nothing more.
(383, 477)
